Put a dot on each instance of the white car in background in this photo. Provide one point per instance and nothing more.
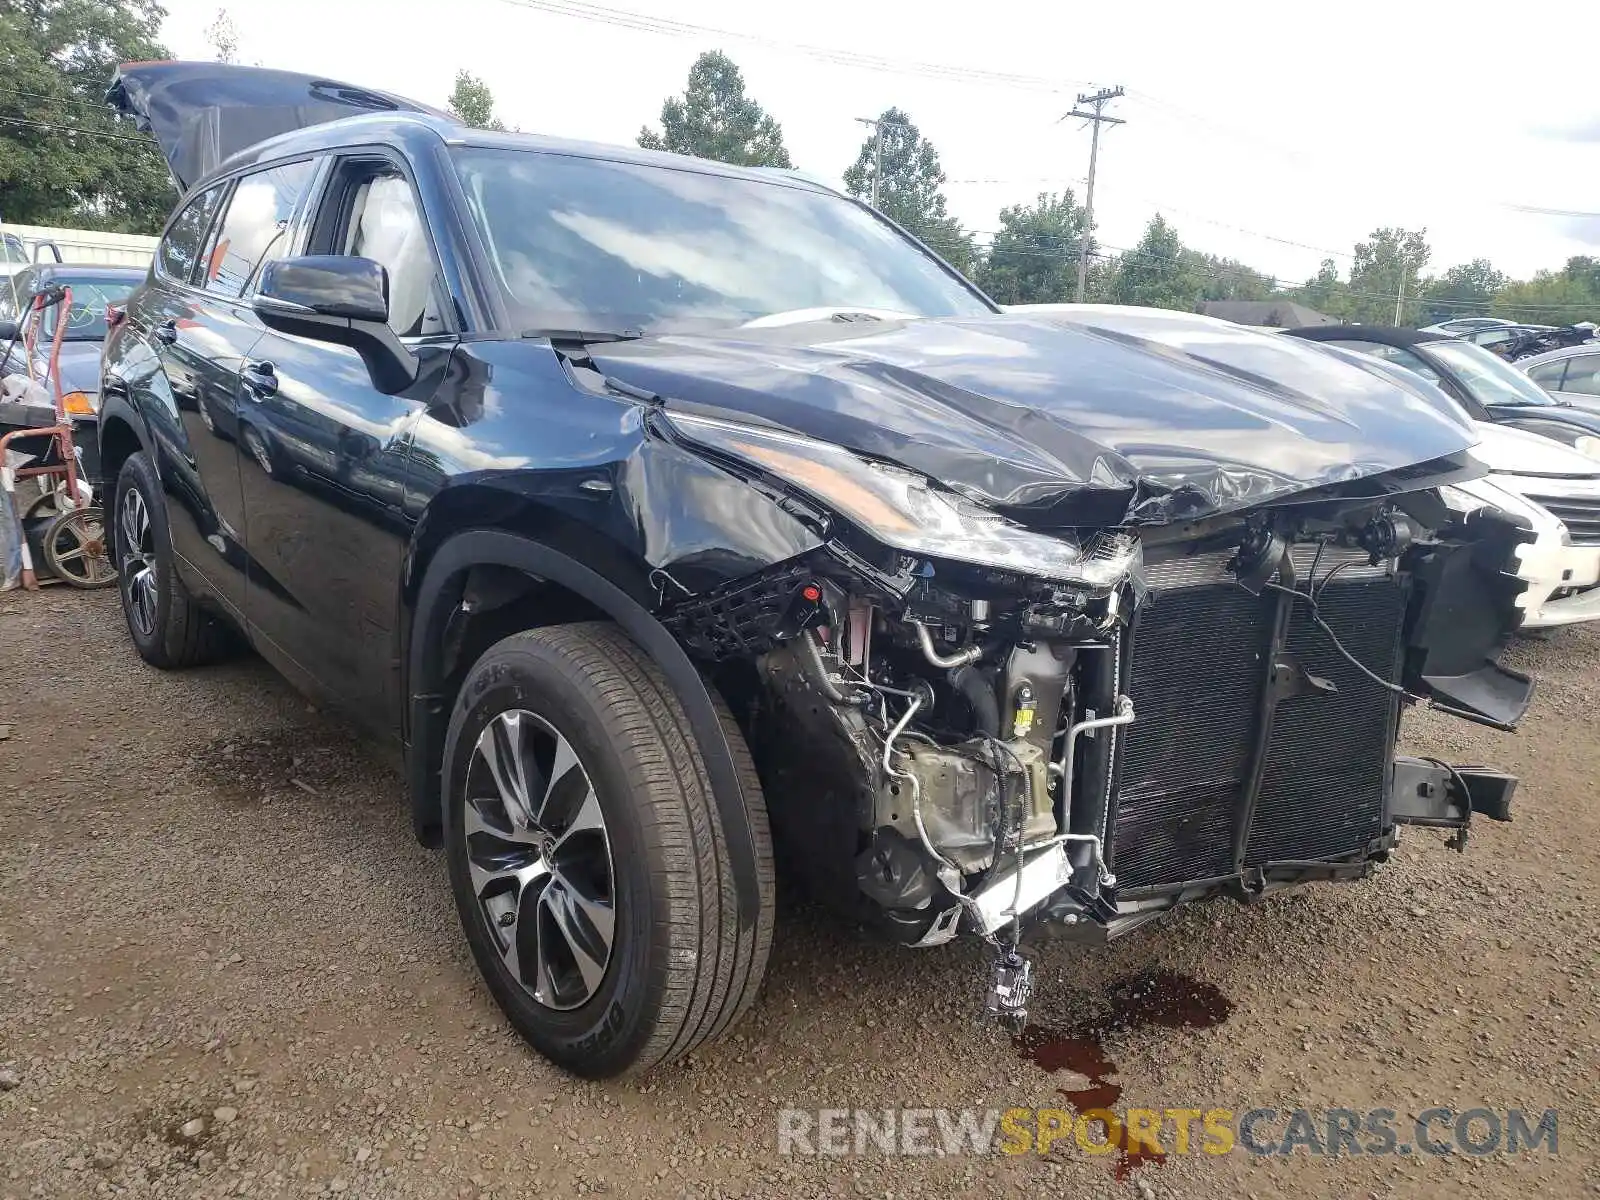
(1459, 326)
(1557, 490)
(1553, 486)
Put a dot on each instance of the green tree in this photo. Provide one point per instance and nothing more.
(1390, 259)
(64, 157)
(1324, 291)
(1227, 278)
(908, 188)
(472, 103)
(1463, 291)
(1156, 273)
(1552, 297)
(715, 119)
(1033, 259)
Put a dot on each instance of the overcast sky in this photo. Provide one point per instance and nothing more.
(1246, 122)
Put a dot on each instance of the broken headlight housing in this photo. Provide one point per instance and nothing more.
(900, 508)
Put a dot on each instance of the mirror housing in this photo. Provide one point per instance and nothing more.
(342, 300)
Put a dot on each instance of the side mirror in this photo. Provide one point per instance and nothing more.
(8, 331)
(342, 300)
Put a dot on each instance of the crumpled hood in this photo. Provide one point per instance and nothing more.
(1507, 451)
(1104, 417)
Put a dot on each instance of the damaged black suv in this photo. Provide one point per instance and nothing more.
(635, 498)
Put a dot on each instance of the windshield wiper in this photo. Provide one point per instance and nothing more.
(586, 337)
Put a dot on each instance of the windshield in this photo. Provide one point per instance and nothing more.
(585, 243)
(86, 318)
(1490, 380)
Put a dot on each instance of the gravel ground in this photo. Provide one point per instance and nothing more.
(227, 969)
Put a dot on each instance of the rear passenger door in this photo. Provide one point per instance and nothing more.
(202, 330)
(324, 499)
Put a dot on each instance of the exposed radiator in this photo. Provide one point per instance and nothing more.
(1197, 672)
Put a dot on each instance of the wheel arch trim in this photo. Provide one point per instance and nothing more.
(424, 750)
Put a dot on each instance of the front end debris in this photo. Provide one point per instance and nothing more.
(1202, 710)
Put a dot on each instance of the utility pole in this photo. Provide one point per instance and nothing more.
(1400, 297)
(877, 153)
(1099, 99)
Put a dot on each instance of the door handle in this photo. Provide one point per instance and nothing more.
(260, 381)
(166, 333)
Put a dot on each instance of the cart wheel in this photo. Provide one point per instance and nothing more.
(75, 549)
(43, 506)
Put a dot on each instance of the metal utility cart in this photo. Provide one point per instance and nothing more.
(62, 523)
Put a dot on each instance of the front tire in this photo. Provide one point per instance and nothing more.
(168, 628)
(587, 857)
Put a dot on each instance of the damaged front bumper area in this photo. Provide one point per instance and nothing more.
(1208, 709)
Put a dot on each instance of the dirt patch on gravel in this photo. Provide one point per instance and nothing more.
(226, 968)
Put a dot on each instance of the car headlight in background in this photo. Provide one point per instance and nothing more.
(1459, 502)
(1587, 443)
(905, 511)
(79, 404)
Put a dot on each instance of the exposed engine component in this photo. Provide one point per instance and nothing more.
(1010, 990)
(1007, 750)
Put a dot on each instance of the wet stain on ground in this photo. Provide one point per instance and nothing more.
(1160, 998)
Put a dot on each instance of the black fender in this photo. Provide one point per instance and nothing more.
(115, 405)
(427, 715)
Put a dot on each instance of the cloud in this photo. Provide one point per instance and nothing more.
(1584, 229)
(1585, 130)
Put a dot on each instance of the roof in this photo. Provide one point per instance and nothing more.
(1533, 360)
(1384, 335)
(414, 128)
(1284, 314)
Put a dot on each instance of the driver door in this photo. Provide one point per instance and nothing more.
(325, 485)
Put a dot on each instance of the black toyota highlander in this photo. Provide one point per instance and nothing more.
(634, 500)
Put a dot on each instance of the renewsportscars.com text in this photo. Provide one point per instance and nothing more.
(1264, 1132)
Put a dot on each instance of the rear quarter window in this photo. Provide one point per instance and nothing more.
(180, 248)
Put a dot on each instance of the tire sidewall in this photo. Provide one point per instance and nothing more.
(138, 475)
(604, 1034)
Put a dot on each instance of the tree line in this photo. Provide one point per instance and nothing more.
(1032, 257)
(65, 159)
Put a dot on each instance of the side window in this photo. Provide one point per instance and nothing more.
(1583, 375)
(377, 217)
(1548, 375)
(256, 227)
(180, 249)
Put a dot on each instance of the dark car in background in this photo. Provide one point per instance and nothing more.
(631, 498)
(93, 288)
(1489, 388)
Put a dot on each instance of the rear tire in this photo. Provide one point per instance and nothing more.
(168, 628)
(677, 970)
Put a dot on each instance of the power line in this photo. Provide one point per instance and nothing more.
(584, 11)
(93, 106)
(94, 133)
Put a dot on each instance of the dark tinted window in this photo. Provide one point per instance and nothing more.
(255, 229)
(180, 249)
